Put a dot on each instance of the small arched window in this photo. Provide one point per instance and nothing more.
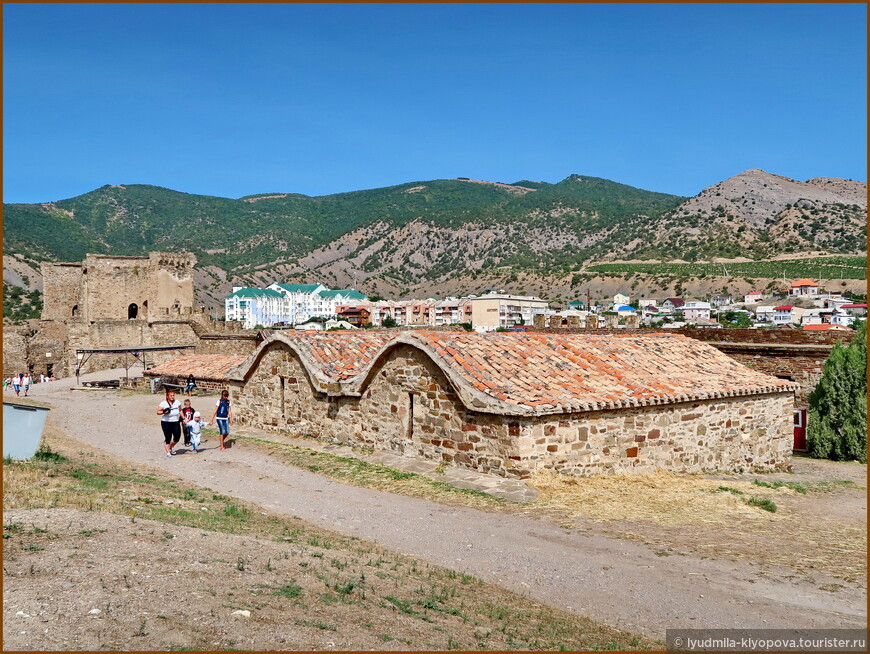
(75, 311)
(132, 311)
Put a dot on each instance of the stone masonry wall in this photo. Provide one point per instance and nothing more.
(409, 407)
(14, 351)
(62, 291)
(112, 284)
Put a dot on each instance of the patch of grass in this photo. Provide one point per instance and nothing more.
(376, 476)
(804, 487)
(236, 512)
(289, 590)
(45, 453)
(90, 480)
(767, 505)
(728, 489)
(316, 623)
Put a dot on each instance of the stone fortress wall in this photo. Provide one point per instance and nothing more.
(109, 301)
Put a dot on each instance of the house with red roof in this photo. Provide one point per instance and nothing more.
(513, 403)
(672, 304)
(825, 328)
(803, 288)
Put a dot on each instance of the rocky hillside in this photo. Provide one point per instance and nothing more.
(759, 215)
(431, 237)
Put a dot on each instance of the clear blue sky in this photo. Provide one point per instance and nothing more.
(238, 99)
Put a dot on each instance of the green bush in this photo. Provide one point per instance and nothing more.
(837, 428)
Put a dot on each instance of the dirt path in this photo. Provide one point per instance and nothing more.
(621, 583)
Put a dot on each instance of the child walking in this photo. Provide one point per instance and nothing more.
(194, 428)
(186, 416)
(223, 415)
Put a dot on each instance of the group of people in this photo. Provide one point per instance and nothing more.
(23, 381)
(177, 419)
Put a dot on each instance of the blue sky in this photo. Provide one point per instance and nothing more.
(231, 99)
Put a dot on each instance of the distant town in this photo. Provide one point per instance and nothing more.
(802, 305)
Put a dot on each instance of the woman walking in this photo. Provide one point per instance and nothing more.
(223, 415)
(170, 421)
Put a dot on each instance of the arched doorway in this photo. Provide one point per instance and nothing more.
(132, 311)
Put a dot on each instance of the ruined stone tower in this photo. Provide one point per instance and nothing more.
(105, 287)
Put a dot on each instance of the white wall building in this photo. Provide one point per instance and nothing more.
(255, 306)
(303, 301)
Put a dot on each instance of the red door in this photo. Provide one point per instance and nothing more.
(800, 430)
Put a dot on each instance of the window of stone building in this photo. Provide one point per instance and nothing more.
(132, 311)
(75, 311)
(410, 415)
(282, 400)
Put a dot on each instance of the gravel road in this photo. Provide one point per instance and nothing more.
(621, 583)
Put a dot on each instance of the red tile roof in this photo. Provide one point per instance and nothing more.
(803, 282)
(853, 306)
(825, 327)
(784, 308)
(536, 373)
(202, 366)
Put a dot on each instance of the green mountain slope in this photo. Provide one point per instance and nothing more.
(456, 235)
(280, 227)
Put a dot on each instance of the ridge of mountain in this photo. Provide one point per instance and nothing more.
(419, 234)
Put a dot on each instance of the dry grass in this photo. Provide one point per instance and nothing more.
(687, 513)
(352, 585)
(661, 497)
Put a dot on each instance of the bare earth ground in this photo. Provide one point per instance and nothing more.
(642, 570)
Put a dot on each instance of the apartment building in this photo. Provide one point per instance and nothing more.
(303, 301)
(494, 310)
(255, 306)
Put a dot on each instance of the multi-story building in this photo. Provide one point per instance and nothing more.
(303, 301)
(787, 314)
(695, 310)
(255, 306)
(331, 300)
(494, 310)
(672, 304)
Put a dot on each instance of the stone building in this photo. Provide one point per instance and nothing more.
(105, 287)
(510, 404)
(117, 301)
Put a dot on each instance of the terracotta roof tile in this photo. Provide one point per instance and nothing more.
(202, 366)
(538, 373)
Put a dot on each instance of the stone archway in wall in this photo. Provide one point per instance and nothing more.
(132, 311)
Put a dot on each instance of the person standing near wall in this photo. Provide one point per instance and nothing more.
(170, 421)
(223, 415)
(191, 384)
(25, 383)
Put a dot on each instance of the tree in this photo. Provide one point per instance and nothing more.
(837, 427)
(389, 321)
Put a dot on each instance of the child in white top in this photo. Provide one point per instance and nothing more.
(194, 427)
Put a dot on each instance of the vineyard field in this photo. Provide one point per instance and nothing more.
(846, 267)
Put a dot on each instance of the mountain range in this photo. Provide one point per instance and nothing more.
(439, 236)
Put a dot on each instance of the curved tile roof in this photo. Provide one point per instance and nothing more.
(536, 373)
(201, 366)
